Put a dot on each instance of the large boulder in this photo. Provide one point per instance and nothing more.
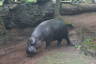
(26, 15)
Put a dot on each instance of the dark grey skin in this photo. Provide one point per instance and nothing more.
(48, 31)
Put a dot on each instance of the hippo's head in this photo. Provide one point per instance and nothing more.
(31, 47)
(31, 51)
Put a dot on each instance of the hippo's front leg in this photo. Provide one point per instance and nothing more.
(68, 41)
(48, 44)
(59, 43)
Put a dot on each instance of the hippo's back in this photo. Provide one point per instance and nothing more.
(51, 22)
(49, 28)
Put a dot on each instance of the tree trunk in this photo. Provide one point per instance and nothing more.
(57, 8)
(94, 1)
(2, 27)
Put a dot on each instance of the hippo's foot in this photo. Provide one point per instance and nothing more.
(70, 44)
(47, 47)
(29, 55)
(58, 46)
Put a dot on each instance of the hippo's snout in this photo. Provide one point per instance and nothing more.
(31, 51)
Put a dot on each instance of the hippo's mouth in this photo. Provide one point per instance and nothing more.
(31, 51)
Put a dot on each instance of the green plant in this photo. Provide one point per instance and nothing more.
(1, 2)
(87, 41)
(90, 43)
(78, 46)
(31, 1)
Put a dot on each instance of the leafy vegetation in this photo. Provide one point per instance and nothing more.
(91, 43)
(1, 2)
(31, 1)
(89, 1)
(62, 58)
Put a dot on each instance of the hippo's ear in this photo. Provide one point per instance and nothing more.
(29, 42)
(69, 26)
(32, 40)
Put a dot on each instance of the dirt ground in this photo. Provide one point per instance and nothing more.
(87, 20)
(15, 53)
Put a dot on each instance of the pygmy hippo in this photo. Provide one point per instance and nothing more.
(49, 30)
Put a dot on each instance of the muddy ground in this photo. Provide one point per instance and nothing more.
(14, 53)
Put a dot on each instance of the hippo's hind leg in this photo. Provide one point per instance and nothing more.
(68, 41)
(59, 43)
(48, 44)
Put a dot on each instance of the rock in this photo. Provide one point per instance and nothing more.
(29, 15)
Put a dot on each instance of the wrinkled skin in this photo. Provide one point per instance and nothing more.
(48, 31)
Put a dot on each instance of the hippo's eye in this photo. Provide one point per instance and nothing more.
(32, 43)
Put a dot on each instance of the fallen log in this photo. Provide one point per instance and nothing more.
(77, 9)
